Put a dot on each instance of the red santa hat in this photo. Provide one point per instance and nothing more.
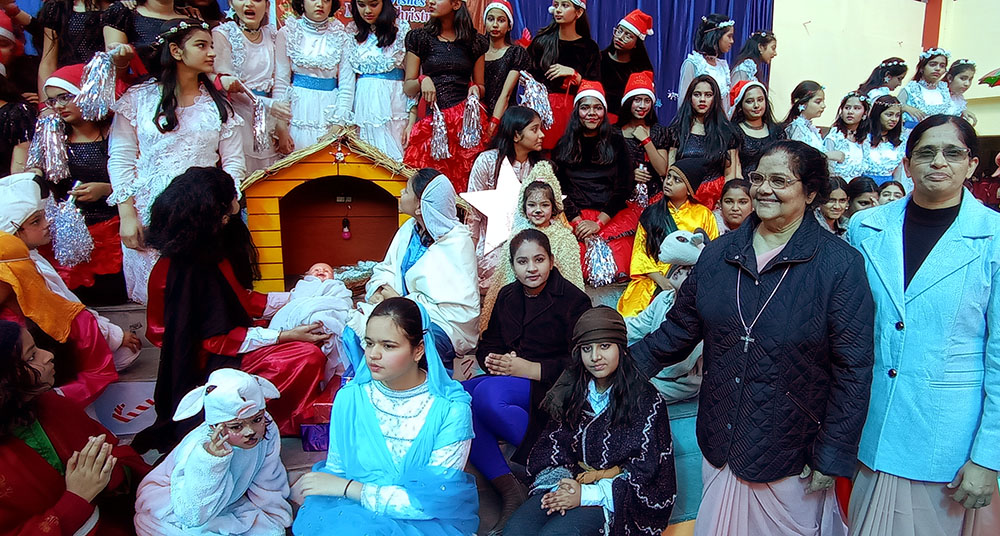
(582, 4)
(740, 90)
(7, 27)
(639, 84)
(590, 88)
(502, 5)
(68, 78)
(638, 23)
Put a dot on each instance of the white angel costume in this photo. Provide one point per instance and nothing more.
(142, 161)
(443, 277)
(307, 75)
(377, 75)
(802, 129)
(745, 71)
(696, 65)
(315, 300)
(854, 155)
(193, 492)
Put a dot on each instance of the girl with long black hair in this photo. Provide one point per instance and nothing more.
(517, 143)
(847, 136)
(173, 121)
(885, 78)
(808, 103)
(72, 34)
(444, 66)
(372, 67)
(753, 117)
(625, 56)
(645, 138)
(884, 147)
(759, 49)
(713, 39)
(562, 56)
(504, 61)
(592, 464)
(927, 93)
(960, 78)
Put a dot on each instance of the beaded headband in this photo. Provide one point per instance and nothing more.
(162, 38)
(765, 35)
(892, 63)
(723, 24)
(931, 52)
(964, 62)
(859, 96)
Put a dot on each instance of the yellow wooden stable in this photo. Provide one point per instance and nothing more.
(332, 156)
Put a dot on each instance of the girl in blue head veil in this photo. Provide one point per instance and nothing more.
(400, 435)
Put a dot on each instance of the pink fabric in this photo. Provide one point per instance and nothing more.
(764, 258)
(888, 505)
(735, 507)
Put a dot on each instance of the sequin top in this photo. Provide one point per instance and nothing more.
(658, 135)
(582, 55)
(88, 162)
(78, 34)
(752, 148)
(515, 58)
(17, 125)
(449, 64)
(139, 29)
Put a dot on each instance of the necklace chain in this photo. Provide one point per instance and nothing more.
(747, 339)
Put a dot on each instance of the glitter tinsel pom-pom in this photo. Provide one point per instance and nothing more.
(48, 148)
(472, 125)
(641, 195)
(97, 94)
(71, 240)
(439, 136)
(536, 97)
(601, 267)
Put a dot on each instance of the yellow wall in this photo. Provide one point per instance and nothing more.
(837, 43)
(969, 29)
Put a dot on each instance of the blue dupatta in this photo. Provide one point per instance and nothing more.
(447, 497)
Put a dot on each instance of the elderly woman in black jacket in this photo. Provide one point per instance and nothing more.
(786, 314)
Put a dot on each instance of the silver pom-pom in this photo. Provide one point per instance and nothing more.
(97, 94)
(48, 148)
(439, 136)
(600, 263)
(536, 97)
(472, 124)
(641, 195)
(71, 240)
(260, 134)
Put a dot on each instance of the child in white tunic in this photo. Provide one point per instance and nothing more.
(226, 476)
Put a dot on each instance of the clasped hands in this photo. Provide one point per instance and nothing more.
(508, 364)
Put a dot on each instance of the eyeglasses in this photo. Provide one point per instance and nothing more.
(952, 153)
(60, 100)
(777, 182)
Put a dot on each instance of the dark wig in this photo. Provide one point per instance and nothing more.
(889, 68)
(545, 45)
(299, 7)
(751, 47)
(187, 222)
(966, 133)
(706, 39)
(529, 235)
(19, 383)
(918, 74)
(719, 132)
(862, 128)
(569, 148)
(515, 119)
(625, 115)
(164, 69)
(808, 165)
(860, 186)
(801, 95)
(739, 116)
(540, 186)
(385, 24)
(405, 313)
(627, 387)
(874, 126)
(465, 31)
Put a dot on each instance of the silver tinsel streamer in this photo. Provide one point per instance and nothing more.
(536, 97)
(641, 195)
(71, 240)
(601, 267)
(260, 134)
(97, 94)
(472, 124)
(48, 148)
(439, 136)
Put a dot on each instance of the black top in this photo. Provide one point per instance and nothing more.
(582, 55)
(496, 71)
(796, 392)
(603, 187)
(922, 228)
(140, 30)
(17, 125)
(450, 65)
(78, 33)
(696, 147)
(614, 78)
(658, 135)
(751, 148)
(88, 162)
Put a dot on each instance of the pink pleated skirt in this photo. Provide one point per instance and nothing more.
(888, 505)
(731, 506)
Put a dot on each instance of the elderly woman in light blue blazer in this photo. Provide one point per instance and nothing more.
(930, 448)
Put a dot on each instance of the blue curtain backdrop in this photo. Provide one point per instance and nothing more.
(675, 22)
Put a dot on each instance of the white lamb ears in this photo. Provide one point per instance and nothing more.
(229, 394)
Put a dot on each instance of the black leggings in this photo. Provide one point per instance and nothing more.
(531, 520)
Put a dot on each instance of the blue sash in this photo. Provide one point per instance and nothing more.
(313, 82)
(395, 74)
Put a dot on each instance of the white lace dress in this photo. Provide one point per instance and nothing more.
(958, 105)
(308, 56)
(745, 71)
(142, 161)
(377, 75)
(875, 93)
(401, 415)
(854, 155)
(882, 163)
(696, 65)
(930, 100)
(253, 63)
(802, 129)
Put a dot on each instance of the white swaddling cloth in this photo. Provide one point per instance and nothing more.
(317, 300)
